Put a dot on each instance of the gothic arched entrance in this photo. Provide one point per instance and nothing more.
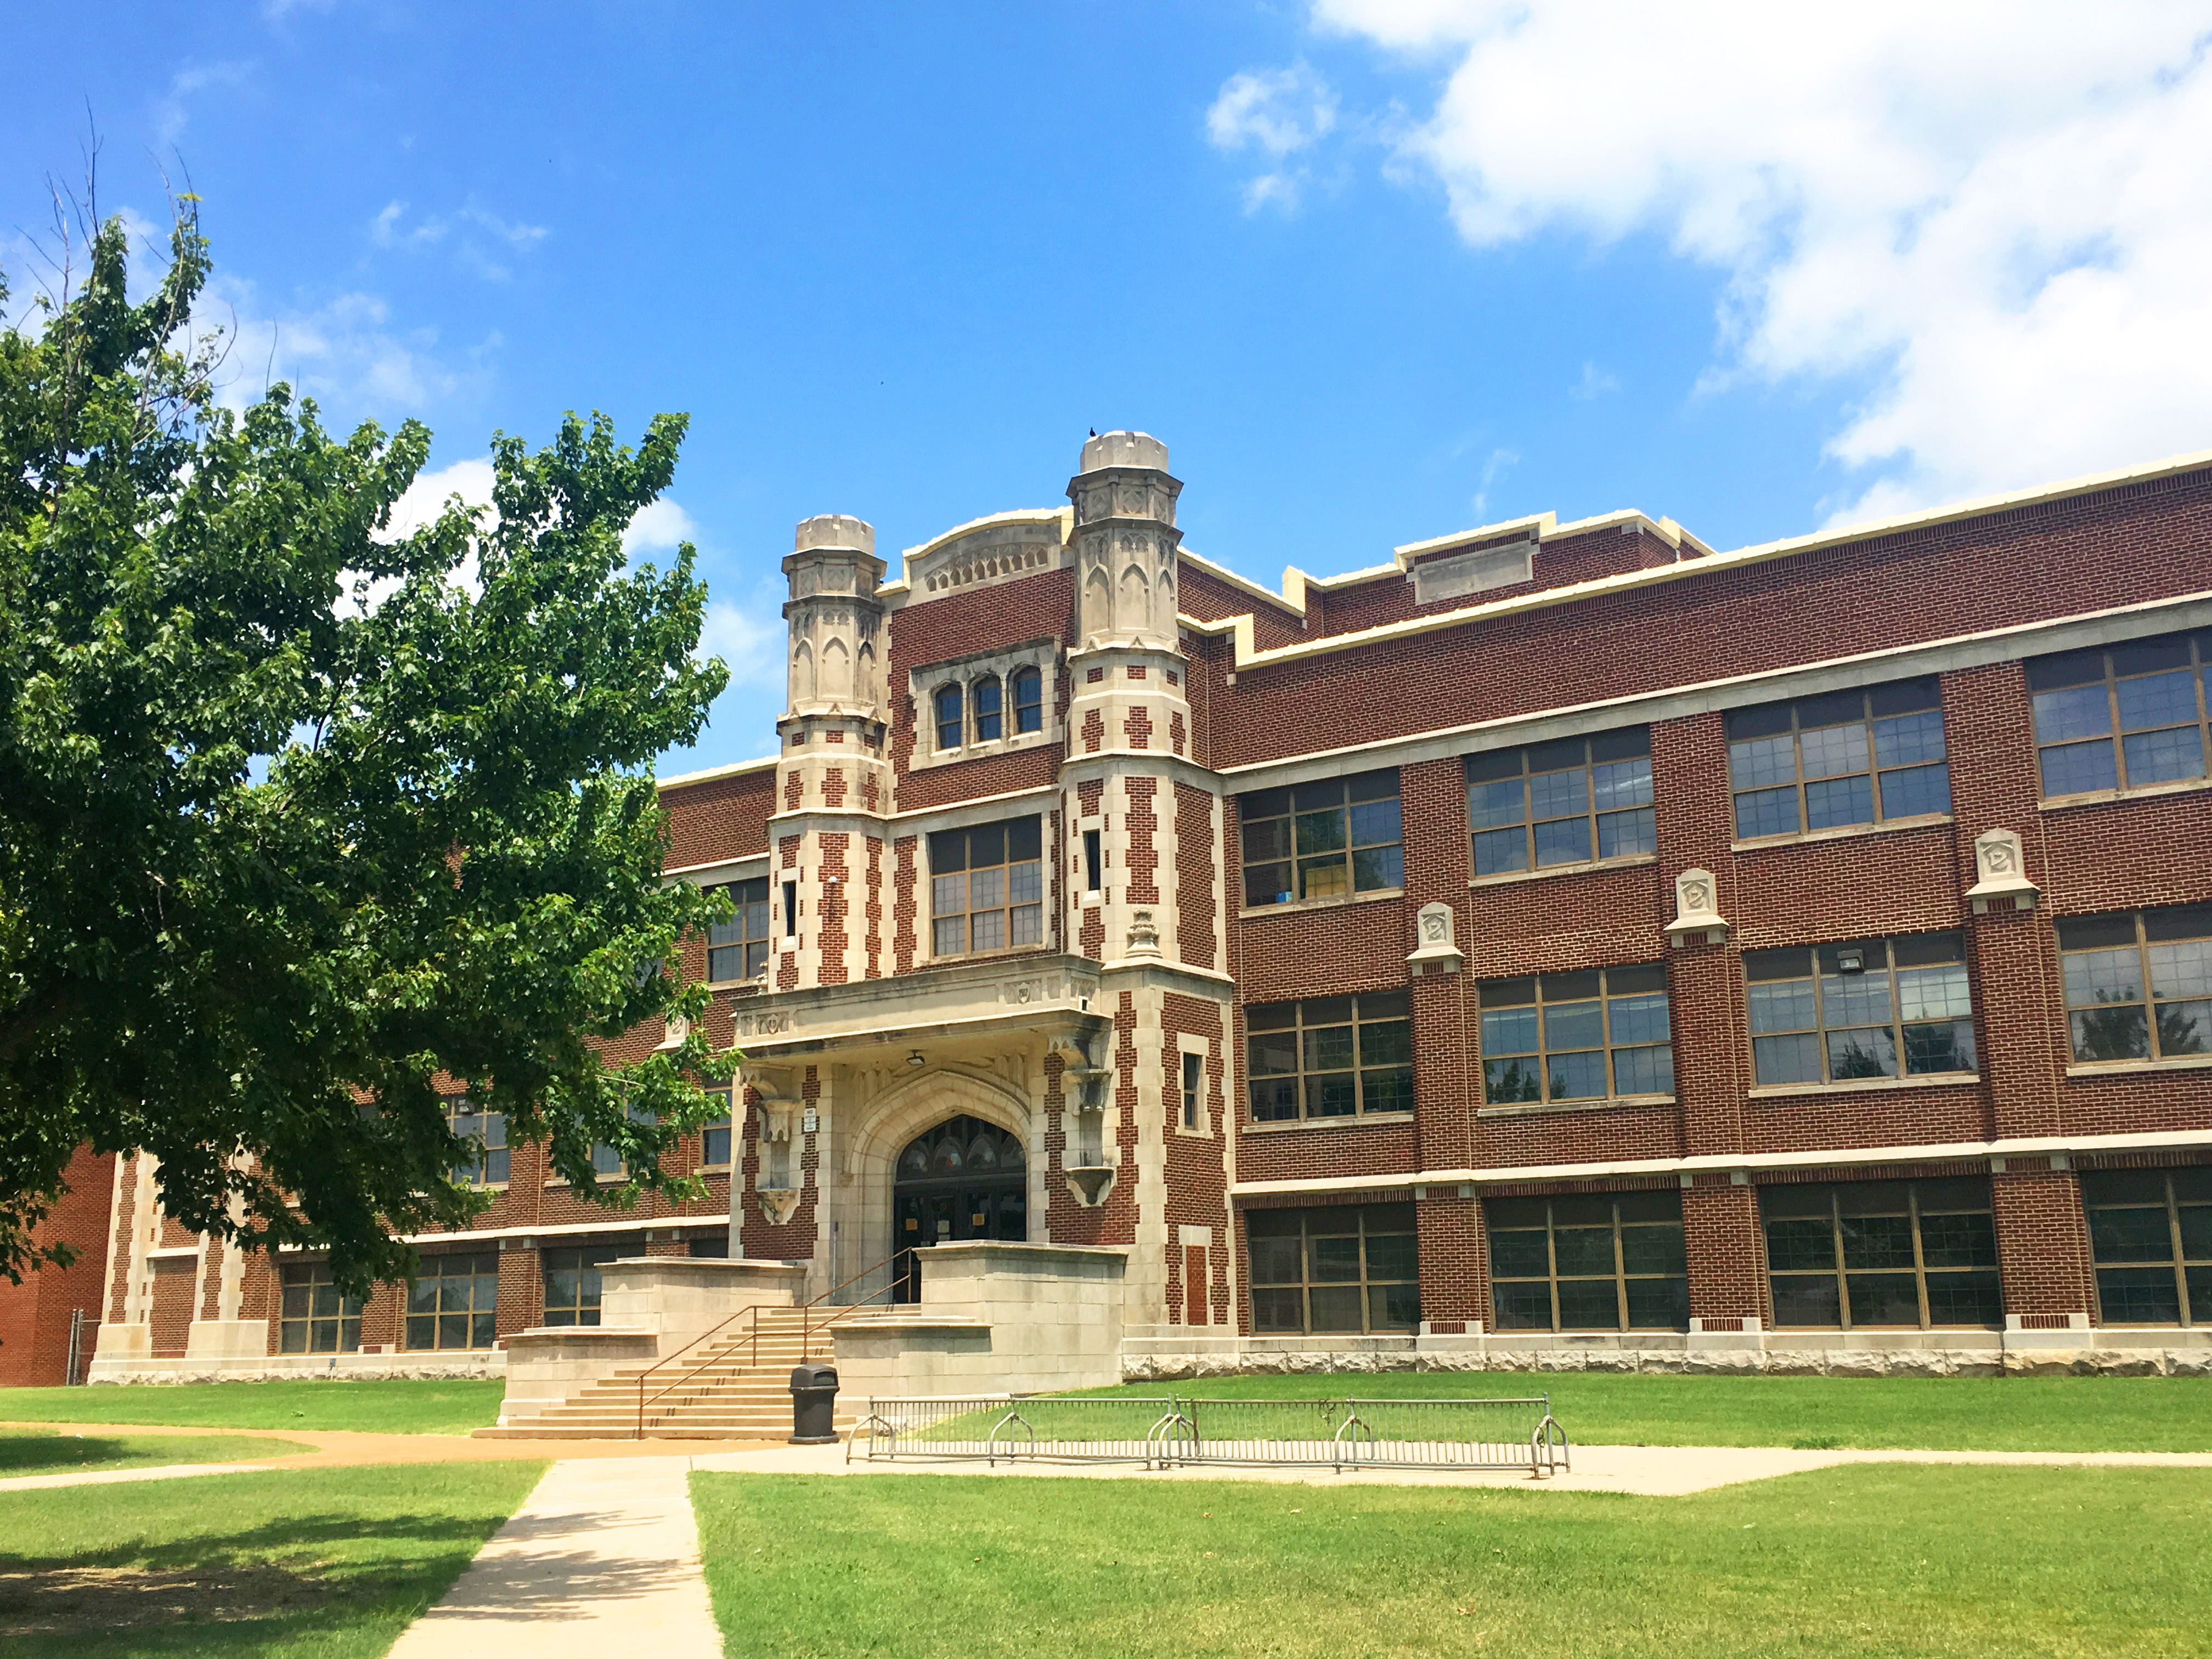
(962, 1179)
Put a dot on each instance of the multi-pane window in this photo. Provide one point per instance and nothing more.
(1872, 1008)
(312, 1317)
(1913, 1252)
(714, 1133)
(987, 699)
(950, 706)
(1850, 757)
(1561, 803)
(452, 1301)
(1330, 1057)
(572, 1282)
(2150, 1233)
(986, 887)
(1589, 1261)
(737, 949)
(1576, 1036)
(1028, 685)
(2139, 984)
(1348, 1270)
(1193, 1071)
(1321, 840)
(606, 1158)
(2125, 717)
(463, 1118)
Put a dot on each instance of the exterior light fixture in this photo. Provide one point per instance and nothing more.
(914, 1059)
(1850, 962)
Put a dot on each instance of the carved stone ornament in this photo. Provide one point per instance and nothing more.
(776, 1123)
(2001, 874)
(1437, 950)
(1143, 937)
(678, 1029)
(1090, 1183)
(776, 1085)
(1698, 920)
(777, 1203)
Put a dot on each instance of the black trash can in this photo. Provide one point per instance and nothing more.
(813, 1405)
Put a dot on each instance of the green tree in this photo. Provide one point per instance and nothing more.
(302, 829)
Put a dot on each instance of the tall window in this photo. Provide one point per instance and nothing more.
(452, 1301)
(1028, 684)
(312, 1317)
(1882, 1253)
(2122, 718)
(1350, 1269)
(1874, 1008)
(952, 718)
(1592, 1261)
(1194, 1066)
(607, 1159)
(1576, 1036)
(2112, 960)
(2150, 1232)
(1852, 757)
(737, 949)
(1321, 840)
(1330, 1057)
(1556, 802)
(714, 1133)
(985, 696)
(987, 887)
(572, 1282)
(463, 1118)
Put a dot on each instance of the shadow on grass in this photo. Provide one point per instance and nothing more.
(45, 1453)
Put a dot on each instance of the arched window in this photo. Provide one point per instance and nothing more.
(988, 726)
(949, 720)
(1028, 701)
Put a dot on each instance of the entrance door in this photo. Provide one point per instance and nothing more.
(963, 1179)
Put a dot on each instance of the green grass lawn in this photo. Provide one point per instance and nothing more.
(1642, 1408)
(374, 1406)
(331, 1563)
(52, 1451)
(1870, 1559)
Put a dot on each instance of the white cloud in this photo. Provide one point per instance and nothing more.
(1278, 112)
(659, 525)
(1993, 214)
(1595, 383)
(1500, 462)
(346, 354)
(483, 240)
(425, 499)
(172, 112)
(750, 638)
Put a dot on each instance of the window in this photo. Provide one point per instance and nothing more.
(986, 888)
(1029, 700)
(2150, 1233)
(1594, 1262)
(1321, 840)
(1852, 757)
(1576, 1036)
(1553, 803)
(950, 717)
(1194, 1071)
(607, 1160)
(2122, 718)
(1914, 1253)
(491, 1127)
(737, 949)
(1841, 1011)
(989, 716)
(791, 909)
(710, 1249)
(452, 1303)
(2110, 959)
(1348, 1270)
(714, 1133)
(312, 1317)
(1093, 874)
(1330, 1057)
(572, 1282)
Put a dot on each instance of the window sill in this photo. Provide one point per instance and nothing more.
(1251, 911)
(2141, 792)
(1580, 868)
(755, 983)
(1547, 1108)
(990, 956)
(599, 1181)
(1358, 1120)
(1838, 832)
(982, 750)
(2096, 1068)
(1859, 1085)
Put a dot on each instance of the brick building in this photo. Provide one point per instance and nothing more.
(1558, 937)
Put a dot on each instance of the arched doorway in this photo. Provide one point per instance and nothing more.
(962, 1179)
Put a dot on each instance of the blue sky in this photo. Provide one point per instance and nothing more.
(1375, 270)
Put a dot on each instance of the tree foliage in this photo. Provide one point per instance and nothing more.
(303, 828)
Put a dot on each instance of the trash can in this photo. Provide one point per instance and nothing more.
(813, 1405)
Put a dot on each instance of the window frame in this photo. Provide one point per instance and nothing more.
(957, 691)
(585, 1310)
(481, 1320)
(2198, 644)
(725, 1125)
(1874, 771)
(614, 1167)
(1292, 803)
(2155, 1037)
(461, 1112)
(1815, 957)
(1631, 743)
(344, 1320)
(1356, 1068)
(1620, 1278)
(1025, 692)
(1009, 906)
(1841, 1271)
(736, 936)
(978, 714)
(1606, 997)
(1193, 1092)
(1367, 1282)
(2192, 1306)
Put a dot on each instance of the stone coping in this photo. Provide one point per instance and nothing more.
(586, 1332)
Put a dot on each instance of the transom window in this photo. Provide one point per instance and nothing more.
(2110, 960)
(986, 888)
(312, 1316)
(1851, 757)
(1330, 1057)
(1350, 1269)
(453, 1302)
(2122, 718)
(1591, 1261)
(1322, 840)
(1911, 1253)
(572, 1281)
(1835, 1012)
(1556, 802)
(1576, 1036)
(491, 1169)
(1028, 687)
(737, 949)
(2150, 1232)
